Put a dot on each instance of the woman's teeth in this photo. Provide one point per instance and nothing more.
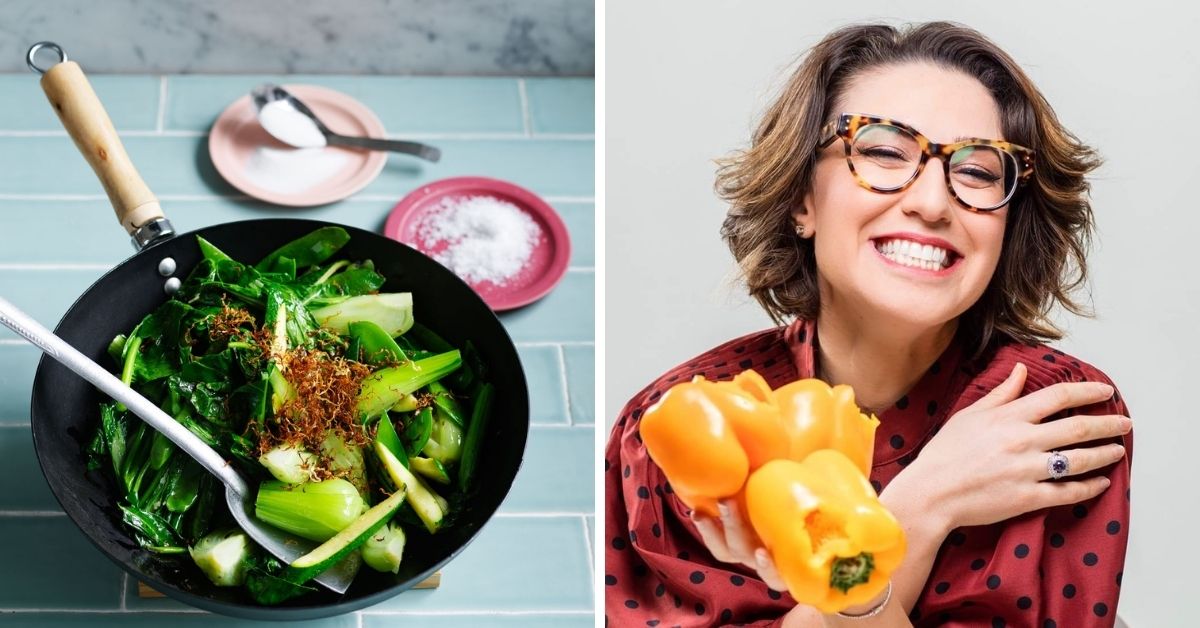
(908, 253)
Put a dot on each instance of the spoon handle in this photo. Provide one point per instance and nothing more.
(424, 151)
(57, 348)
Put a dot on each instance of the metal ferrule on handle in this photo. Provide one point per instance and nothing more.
(71, 358)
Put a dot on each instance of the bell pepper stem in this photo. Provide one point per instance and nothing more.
(847, 573)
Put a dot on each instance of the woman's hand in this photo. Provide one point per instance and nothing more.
(731, 539)
(988, 462)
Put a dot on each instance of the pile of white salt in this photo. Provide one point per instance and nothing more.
(487, 239)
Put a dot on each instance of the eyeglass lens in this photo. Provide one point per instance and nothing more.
(887, 157)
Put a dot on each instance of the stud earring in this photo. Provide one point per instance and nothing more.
(799, 230)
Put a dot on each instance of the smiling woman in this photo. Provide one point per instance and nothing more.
(910, 200)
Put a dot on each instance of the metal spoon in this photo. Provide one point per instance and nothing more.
(271, 95)
(238, 493)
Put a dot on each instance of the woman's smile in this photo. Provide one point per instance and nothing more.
(917, 256)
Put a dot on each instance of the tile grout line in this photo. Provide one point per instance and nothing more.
(54, 266)
(587, 542)
(106, 611)
(32, 513)
(196, 611)
(525, 344)
(359, 615)
(563, 200)
(566, 384)
(475, 612)
(542, 515)
(124, 589)
(481, 136)
(162, 104)
(525, 121)
(102, 266)
(555, 343)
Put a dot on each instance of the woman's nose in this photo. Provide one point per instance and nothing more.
(928, 196)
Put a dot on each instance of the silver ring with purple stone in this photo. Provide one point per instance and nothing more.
(1058, 466)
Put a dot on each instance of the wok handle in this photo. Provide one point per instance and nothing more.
(88, 123)
(81, 365)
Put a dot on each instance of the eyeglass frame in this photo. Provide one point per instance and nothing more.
(846, 125)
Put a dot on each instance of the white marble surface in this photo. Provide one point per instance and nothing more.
(426, 37)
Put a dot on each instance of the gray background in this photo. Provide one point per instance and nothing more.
(427, 37)
(681, 91)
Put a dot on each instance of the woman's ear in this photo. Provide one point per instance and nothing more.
(802, 216)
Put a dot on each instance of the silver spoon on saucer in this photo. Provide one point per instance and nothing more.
(290, 121)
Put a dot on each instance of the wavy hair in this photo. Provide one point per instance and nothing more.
(1050, 221)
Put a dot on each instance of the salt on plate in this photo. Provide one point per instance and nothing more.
(292, 170)
(485, 238)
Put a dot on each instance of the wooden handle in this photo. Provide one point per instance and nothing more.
(85, 119)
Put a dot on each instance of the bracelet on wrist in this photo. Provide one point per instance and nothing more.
(874, 611)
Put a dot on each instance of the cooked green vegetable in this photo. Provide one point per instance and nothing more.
(392, 312)
(385, 548)
(480, 413)
(222, 557)
(423, 500)
(313, 510)
(349, 539)
(289, 463)
(282, 366)
(387, 386)
(430, 468)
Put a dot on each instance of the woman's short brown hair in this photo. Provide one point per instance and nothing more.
(1049, 220)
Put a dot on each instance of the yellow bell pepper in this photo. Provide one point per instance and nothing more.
(820, 417)
(832, 541)
(708, 436)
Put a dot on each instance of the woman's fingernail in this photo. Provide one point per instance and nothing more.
(723, 509)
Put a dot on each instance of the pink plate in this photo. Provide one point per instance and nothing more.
(237, 137)
(547, 264)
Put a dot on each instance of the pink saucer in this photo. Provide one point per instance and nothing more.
(547, 264)
(237, 136)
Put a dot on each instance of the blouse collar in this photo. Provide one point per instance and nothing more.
(907, 424)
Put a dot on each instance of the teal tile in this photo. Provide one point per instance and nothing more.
(403, 104)
(89, 233)
(558, 473)
(540, 620)
(17, 365)
(566, 314)
(581, 382)
(86, 232)
(22, 486)
(547, 167)
(158, 620)
(516, 564)
(131, 102)
(52, 165)
(580, 219)
(48, 563)
(181, 166)
(544, 377)
(562, 105)
(44, 294)
(591, 535)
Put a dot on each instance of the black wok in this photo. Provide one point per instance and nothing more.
(65, 409)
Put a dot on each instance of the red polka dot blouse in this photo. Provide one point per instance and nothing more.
(1058, 567)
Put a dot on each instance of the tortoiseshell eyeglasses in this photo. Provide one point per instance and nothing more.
(887, 156)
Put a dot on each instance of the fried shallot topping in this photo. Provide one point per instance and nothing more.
(326, 391)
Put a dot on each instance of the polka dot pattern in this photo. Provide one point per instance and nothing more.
(1014, 573)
